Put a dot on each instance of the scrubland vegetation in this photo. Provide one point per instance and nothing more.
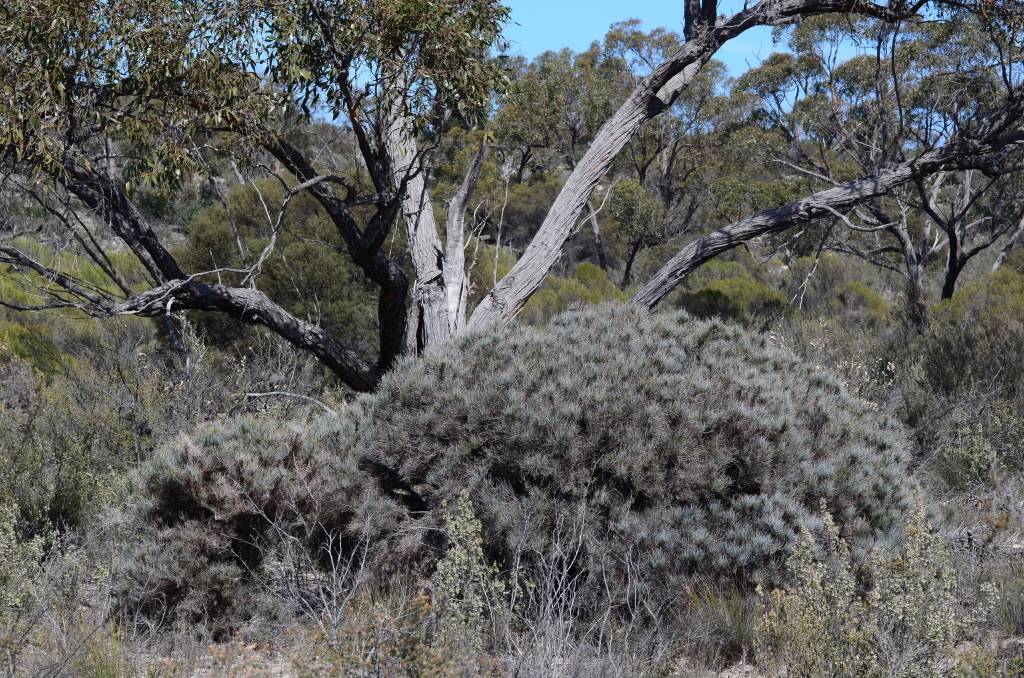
(751, 405)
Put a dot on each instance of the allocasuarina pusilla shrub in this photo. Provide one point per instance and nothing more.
(643, 449)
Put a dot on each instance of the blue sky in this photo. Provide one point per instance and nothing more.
(540, 25)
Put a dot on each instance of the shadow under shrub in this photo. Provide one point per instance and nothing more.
(647, 449)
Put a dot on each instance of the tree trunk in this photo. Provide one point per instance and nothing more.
(428, 314)
(954, 266)
(602, 260)
(1001, 259)
(634, 247)
(456, 281)
(654, 94)
(365, 250)
(914, 265)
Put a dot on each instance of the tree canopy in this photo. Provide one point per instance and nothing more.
(111, 108)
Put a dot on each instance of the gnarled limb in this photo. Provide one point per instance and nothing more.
(365, 249)
(252, 306)
(654, 95)
(966, 153)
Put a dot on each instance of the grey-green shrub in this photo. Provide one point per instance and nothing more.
(689, 446)
(647, 448)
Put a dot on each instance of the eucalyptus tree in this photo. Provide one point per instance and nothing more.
(915, 90)
(558, 103)
(843, 116)
(163, 78)
(101, 96)
(987, 136)
(663, 176)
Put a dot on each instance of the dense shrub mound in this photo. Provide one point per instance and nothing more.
(975, 341)
(682, 445)
(634, 451)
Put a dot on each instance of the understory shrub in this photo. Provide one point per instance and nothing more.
(212, 506)
(740, 299)
(905, 623)
(678, 444)
(975, 340)
(631, 452)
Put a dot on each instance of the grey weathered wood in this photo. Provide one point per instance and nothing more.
(987, 141)
(1008, 247)
(654, 94)
(428, 312)
(455, 280)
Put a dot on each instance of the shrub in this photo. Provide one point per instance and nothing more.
(590, 286)
(976, 339)
(687, 446)
(48, 451)
(212, 507)
(853, 295)
(739, 299)
(631, 451)
(905, 625)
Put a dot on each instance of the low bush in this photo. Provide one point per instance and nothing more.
(211, 509)
(631, 451)
(904, 623)
(737, 299)
(975, 341)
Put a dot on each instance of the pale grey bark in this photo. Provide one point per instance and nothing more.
(1008, 247)
(428, 322)
(654, 94)
(456, 281)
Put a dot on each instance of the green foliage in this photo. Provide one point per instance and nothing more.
(983, 448)
(467, 592)
(970, 460)
(976, 339)
(905, 624)
(19, 566)
(637, 213)
(856, 296)
(47, 463)
(308, 274)
(820, 626)
(984, 663)
(735, 198)
(103, 64)
(436, 49)
(387, 635)
(591, 285)
(559, 101)
(156, 72)
(739, 299)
